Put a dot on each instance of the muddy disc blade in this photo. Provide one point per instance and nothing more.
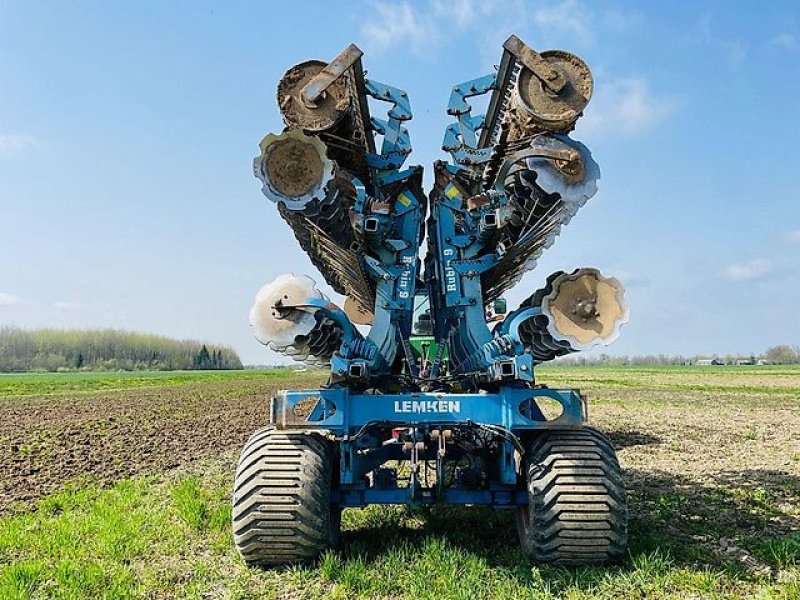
(321, 115)
(358, 313)
(585, 308)
(574, 181)
(294, 169)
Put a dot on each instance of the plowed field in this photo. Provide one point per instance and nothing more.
(118, 486)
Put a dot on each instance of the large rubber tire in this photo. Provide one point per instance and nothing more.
(577, 512)
(281, 498)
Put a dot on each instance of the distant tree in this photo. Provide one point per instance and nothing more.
(782, 355)
(58, 350)
(203, 358)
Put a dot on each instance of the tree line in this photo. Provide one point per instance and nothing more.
(777, 355)
(106, 350)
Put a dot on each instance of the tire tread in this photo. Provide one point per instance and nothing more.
(281, 498)
(578, 512)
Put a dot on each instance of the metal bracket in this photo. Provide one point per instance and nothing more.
(314, 90)
(401, 109)
(474, 266)
(552, 79)
(458, 105)
(396, 142)
(461, 138)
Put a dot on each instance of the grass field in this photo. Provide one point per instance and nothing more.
(46, 384)
(117, 486)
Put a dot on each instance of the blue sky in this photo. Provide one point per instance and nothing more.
(127, 132)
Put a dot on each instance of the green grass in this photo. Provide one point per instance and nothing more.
(678, 378)
(49, 384)
(767, 379)
(782, 551)
(169, 536)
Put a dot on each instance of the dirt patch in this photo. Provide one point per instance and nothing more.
(701, 435)
(45, 442)
(667, 439)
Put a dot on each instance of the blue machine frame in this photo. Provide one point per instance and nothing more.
(347, 417)
(376, 386)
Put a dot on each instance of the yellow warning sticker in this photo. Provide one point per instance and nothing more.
(451, 191)
(403, 199)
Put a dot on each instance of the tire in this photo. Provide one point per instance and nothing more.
(577, 512)
(281, 498)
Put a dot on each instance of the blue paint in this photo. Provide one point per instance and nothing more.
(470, 417)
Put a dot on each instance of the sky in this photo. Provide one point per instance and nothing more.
(127, 132)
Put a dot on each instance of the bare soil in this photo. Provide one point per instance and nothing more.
(709, 441)
(47, 441)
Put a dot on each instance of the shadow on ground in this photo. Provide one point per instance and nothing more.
(743, 524)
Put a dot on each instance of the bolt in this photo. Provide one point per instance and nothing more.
(523, 368)
(472, 301)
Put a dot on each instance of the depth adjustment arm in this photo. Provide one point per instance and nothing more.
(461, 137)
(396, 141)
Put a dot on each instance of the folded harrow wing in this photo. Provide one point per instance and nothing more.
(437, 402)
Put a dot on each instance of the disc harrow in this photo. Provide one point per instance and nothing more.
(444, 380)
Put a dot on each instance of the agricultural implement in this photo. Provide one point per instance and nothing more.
(432, 396)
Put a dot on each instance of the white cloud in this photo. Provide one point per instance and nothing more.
(61, 306)
(787, 41)
(707, 31)
(8, 299)
(420, 25)
(13, 142)
(400, 23)
(753, 269)
(794, 237)
(627, 106)
(567, 17)
(466, 13)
